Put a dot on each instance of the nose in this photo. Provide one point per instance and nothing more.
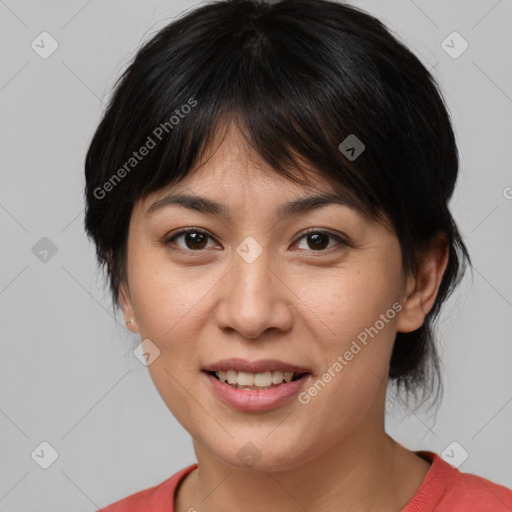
(255, 299)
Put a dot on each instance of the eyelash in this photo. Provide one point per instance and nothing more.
(168, 241)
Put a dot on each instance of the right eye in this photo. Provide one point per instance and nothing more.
(194, 239)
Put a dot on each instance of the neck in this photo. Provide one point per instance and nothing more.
(367, 471)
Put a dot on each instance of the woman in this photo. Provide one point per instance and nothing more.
(268, 191)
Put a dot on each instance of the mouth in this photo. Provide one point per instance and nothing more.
(249, 392)
(256, 381)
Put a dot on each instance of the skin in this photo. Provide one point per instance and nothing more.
(294, 302)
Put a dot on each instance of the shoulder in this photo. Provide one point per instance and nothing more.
(479, 493)
(154, 499)
(447, 489)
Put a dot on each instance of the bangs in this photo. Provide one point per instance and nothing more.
(248, 78)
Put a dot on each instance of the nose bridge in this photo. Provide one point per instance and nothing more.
(251, 280)
(253, 301)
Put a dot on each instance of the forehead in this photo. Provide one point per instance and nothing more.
(229, 160)
(231, 176)
(231, 169)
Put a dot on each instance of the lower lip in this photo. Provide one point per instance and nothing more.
(255, 399)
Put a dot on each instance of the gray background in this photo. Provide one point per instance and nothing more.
(68, 375)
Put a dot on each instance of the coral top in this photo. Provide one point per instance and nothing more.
(444, 489)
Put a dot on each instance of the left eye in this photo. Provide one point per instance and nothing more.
(196, 239)
(318, 239)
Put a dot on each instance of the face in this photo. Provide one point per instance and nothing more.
(307, 289)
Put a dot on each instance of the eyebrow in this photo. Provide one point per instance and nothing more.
(298, 206)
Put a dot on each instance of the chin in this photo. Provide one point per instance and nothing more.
(260, 453)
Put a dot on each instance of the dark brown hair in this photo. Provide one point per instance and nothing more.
(298, 77)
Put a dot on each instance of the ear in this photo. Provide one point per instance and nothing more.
(421, 290)
(127, 307)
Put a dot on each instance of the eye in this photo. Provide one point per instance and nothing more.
(196, 240)
(318, 240)
(193, 239)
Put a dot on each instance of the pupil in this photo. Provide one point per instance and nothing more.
(316, 237)
(192, 240)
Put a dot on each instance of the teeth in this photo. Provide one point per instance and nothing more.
(254, 380)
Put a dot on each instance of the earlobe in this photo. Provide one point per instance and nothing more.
(421, 290)
(127, 308)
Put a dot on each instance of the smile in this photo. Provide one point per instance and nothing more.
(255, 398)
(246, 380)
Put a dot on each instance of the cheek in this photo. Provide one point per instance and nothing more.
(169, 305)
(167, 297)
(360, 310)
(356, 297)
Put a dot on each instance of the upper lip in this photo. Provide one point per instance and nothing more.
(259, 366)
